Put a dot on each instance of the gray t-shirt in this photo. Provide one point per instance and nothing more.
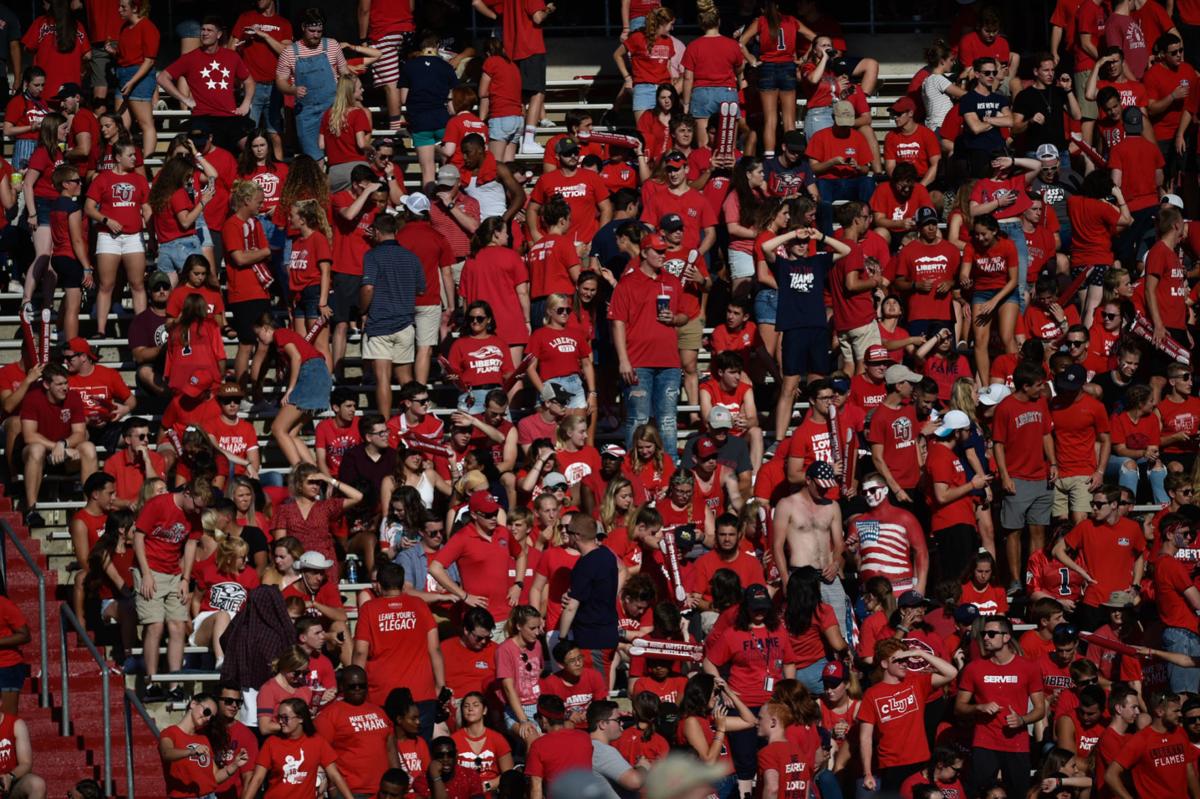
(609, 764)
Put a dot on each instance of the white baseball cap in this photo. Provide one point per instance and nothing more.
(954, 420)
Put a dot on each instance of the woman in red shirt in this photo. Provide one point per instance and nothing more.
(576, 459)
(480, 359)
(654, 125)
(562, 356)
(989, 270)
(308, 388)
(712, 71)
(464, 122)
(58, 43)
(498, 276)
(222, 583)
(198, 278)
(176, 209)
(290, 761)
(648, 464)
(195, 351)
(1095, 222)
(481, 748)
(188, 764)
(257, 163)
(981, 589)
(113, 134)
(247, 269)
(309, 271)
(23, 116)
(345, 132)
(650, 51)
(136, 49)
(778, 37)
(47, 155)
(1136, 443)
(708, 711)
(500, 101)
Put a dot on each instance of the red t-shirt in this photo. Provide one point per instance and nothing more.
(851, 310)
(23, 110)
(1180, 417)
(991, 268)
(304, 267)
(85, 121)
(897, 430)
(713, 61)
(167, 530)
(192, 775)
(522, 37)
(577, 696)
(898, 714)
(1136, 435)
(259, 57)
(358, 735)
(791, 766)
(220, 591)
(493, 275)
(549, 262)
(53, 421)
(916, 148)
(1076, 429)
(120, 197)
(480, 362)
(137, 42)
(1020, 426)
(212, 78)
(342, 148)
(753, 655)
(42, 40)
(1157, 762)
(1171, 579)
(850, 145)
(166, 221)
(336, 441)
(558, 352)
(583, 191)
(467, 670)
(433, 250)
(99, 391)
(45, 162)
(244, 235)
(270, 180)
(1093, 226)
(991, 599)
(944, 466)
(350, 236)
(1160, 80)
(558, 752)
(1172, 288)
(692, 208)
(781, 47)
(1010, 686)
(504, 92)
(649, 343)
(1109, 552)
(937, 262)
(308, 352)
(1137, 158)
(884, 201)
(292, 765)
(649, 63)
(809, 646)
(397, 631)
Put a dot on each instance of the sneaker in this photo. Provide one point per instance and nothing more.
(34, 519)
(547, 123)
(177, 694)
(531, 147)
(154, 693)
(1014, 588)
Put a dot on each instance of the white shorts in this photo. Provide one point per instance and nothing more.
(428, 323)
(398, 347)
(196, 622)
(123, 244)
(741, 264)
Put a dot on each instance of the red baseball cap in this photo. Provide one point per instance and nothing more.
(706, 448)
(834, 673)
(80, 345)
(483, 502)
(877, 353)
(653, 241)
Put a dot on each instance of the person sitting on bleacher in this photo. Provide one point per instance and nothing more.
(86, 527)
(134, 463)
(106, 399)
(310, 636)
(54, 433)
(228, 736)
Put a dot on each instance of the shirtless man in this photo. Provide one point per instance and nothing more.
(809, 526)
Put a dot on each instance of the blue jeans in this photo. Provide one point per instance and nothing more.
(1183, 642)
(810, 677)
(1012, 229)
(266, 110)
(655, 395)
(860, 188)
(817, 119)
(1129, 478)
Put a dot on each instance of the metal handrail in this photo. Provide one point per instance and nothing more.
(131, 703)
(68, 617)
(43, 643)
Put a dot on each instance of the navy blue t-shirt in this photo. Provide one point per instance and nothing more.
(802, 291)
(594, 584)
(984, 107)
(787, 181)
(429, 80)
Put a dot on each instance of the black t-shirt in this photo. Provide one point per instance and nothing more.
(1113, 394)
(594, 584)
(142, 332)
(983, 107)
(1050, 102)
(1055, 195)
(256, 540)
(801, 291)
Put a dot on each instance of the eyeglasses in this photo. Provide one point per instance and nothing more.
(229, 701)
(992, 633)
(377, 433)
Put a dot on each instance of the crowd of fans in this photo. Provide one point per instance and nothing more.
(787, 457)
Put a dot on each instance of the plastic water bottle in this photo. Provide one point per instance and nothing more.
(352, 568)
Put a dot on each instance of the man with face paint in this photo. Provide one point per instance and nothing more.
(1178, 599)
(808, 532)
(890, 542)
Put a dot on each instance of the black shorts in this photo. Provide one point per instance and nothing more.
(533, 74)
(806, 351)
(244, 315)
(344, 297)
(226, 132)
(69, 271)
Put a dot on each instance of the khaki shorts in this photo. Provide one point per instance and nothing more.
(428, 323)
(691, 334)
(398, 347)
(854, 343)
(1071, 495)
(165, 605)
(1087, 108)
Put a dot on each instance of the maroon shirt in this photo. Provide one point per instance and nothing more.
(53, 421)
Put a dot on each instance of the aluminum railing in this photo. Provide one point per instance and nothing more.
(68, 618)
(131, 704)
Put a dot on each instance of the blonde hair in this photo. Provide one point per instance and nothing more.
(565, 428)
(608, 505)
(962, 398)
(343, 103)
(291, 659)
(229, 550)
(314, 216)
(243, 191)
(555, 301)
(518, 618)
(210, 522)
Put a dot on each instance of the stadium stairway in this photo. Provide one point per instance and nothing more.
(60, 760)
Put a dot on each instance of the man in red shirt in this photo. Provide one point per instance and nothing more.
(1026, 463)
(396, 641)
(841, 158)
(354, 211)
(359, 732)
(1113, 549)
(1172, 106)
(235, 438)
(1160, 758)
(482, 549)
(730, 553)
(894, 435)
(106, 398)
(1137, 169)
(1081, 441)
(852, 286)
(212, 73)
(911, 143)
(1002, 693)
(560, 748)
(1166, 278)
(134, 463)
(1178, 600)
(54, 432)
(583, 190)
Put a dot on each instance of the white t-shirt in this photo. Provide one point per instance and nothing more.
(937, 102)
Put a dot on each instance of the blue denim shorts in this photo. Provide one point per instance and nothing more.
(644, 96)
(188, 29)
(766, 301)
(980, 297)
(142, 90)
(313, 386)
(776, 76)
(21, 153)
(43, 207)
(573, 385)
(706, 100)
(172, 254)
(506, 129)
(203, 232)
(308, 302)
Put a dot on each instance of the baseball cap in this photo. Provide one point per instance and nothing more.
(876, 353)
(230, 391)
(612, 451)
(706, 448)
(448, 175)
(994, 394)
(685, 537)
(795, 141)
(925, 215)
(1064, 633)
(313, 561)
(953, 420)
(756, 597)
(567, 145)
(679, 774)
(966, 614)
(554, 480)
(1132, 117)
(653, 241)
(1047, 152)
(197, 383)
(912, 599)
(553, 393)
(417, 203)
(719, 418)
(899, 373)
(156, 280)
(834, 673)
(822, 474)
(675, 158)
(1119, 599)
(670, 223)
(902, 105)
(68, 90)
(843, 113)
(80, 345)
(1172, 199)
(483, 502)
(1071, 379)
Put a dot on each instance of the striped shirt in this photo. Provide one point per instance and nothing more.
(884, 549)
(287, 59)
(398, 277)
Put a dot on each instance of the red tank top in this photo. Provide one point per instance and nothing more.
(8, 744)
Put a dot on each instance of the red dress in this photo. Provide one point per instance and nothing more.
(315, 532)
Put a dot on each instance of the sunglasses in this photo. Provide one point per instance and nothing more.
(561, 311)
(1077, 343)
(1187, 492)
(1125, 502)
(141, 437)
(525, 660)
(1109, 315)
(231, 401)
(230, 702)
(486, 515)
(992, 633)
(478, 319)
(674, 169)
(299, 673)
(1187, 378)
(354, 686)
(313, 482)
(420, 400)
(988, 73)
(1178, 51)
(1192, 719)
(1099, 505)
(206, 712)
